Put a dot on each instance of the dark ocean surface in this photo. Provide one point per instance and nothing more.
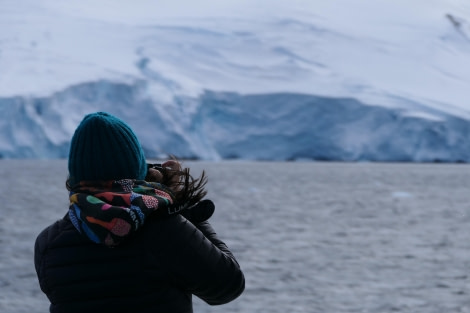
(310, 237)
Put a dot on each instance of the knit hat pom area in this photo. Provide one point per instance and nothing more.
(104, 147)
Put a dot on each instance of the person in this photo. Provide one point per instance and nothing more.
(124, 244)
(188, 191)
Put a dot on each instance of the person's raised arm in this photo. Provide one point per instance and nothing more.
(201, 263)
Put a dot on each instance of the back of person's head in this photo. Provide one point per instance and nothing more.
(104, 147)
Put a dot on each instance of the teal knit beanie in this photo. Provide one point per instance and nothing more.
(104, 147)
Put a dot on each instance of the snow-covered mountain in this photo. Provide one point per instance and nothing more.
(377, 80)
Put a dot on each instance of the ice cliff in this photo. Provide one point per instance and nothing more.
(258, 80)
(220, 125)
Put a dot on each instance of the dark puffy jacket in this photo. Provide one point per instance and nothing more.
(155, 270)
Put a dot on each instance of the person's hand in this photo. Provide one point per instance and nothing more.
(154, 175)
(166, 173)
(172, 165)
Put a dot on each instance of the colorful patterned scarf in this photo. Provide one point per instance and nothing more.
(109, 211)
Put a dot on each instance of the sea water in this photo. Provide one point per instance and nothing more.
(310, 237)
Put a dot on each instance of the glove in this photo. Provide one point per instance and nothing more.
(199, 212)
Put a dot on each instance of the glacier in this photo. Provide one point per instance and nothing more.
(256, 80)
